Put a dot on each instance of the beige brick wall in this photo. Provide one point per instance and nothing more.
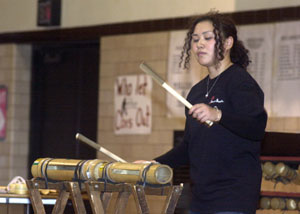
(284, 124)
(15, 63)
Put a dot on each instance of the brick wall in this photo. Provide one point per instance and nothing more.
(15, 63)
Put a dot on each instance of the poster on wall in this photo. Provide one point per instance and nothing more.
(133, 108)
(259, 40)
(3, 108)
(286, 81)
(178, 78)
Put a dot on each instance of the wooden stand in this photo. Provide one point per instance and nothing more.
(100, 194)
(66, 190)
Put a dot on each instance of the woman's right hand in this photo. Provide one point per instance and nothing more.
(204, 112)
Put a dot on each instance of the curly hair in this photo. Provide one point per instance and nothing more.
(223, 28)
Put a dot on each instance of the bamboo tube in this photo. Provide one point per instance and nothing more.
(133, 172)
(65, 169)
(291, 204)
(269, 170)
(277, 203)
(56, 169)
(90, 167)
(38, 167)
(285, 171)
(265, 203)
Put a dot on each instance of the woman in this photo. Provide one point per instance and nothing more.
(224, 158)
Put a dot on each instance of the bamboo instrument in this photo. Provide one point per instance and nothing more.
(67, 169)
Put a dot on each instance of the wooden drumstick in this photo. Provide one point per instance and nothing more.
(163, 84)
(99, 148)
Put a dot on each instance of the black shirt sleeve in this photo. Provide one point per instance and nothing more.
(178, 155)
(248, 116)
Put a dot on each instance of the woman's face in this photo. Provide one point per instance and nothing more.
(203, 43)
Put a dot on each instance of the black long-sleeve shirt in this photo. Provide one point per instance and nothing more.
(224, 159)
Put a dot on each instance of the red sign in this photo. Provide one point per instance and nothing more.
(3, 108)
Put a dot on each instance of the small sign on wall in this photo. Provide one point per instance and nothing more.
(133, 108)
(49, 12)
(3, 110)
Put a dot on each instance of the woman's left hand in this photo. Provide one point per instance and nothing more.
(203, 112)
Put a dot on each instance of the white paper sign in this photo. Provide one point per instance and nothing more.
(286, 81)
(133, 109)
(259, 40)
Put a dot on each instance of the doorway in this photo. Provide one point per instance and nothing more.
(64, 99)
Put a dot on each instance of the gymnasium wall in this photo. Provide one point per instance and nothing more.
(15, 64)
(78, 13)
